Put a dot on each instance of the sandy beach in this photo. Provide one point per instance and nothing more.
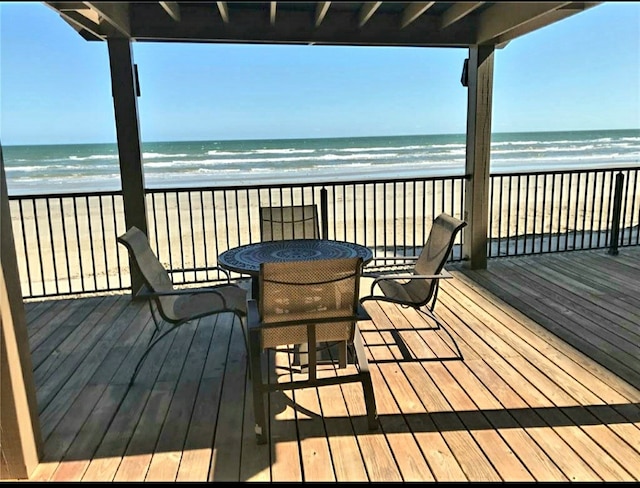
(76, 237)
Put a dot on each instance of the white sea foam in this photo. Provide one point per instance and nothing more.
(40, 169)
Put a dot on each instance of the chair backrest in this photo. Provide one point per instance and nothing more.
(153, 272)
(322, 292)
(433, 256)
(291, 222)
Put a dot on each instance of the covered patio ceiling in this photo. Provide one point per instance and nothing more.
(428, 24)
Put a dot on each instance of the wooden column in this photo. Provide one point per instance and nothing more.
(123, 87)
(20, 438)
(476, 212)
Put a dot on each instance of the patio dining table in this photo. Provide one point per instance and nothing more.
(246, 259)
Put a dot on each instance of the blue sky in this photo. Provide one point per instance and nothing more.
(581, 73)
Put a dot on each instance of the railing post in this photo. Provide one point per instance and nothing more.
(617, 207)
(324, 212)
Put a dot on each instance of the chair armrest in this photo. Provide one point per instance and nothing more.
(394, 258)
(183, 291)
(444, 274)
(225, 272)
(146, 293)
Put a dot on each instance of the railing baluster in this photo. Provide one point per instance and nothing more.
(64, 242)
(26, 249)
(387, 205)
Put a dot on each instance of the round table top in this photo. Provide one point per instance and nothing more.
(247, 258)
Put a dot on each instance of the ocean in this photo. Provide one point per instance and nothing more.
(68, 168)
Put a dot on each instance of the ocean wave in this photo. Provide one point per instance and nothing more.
(93, 156)
(151, 155)
(215, 152)
(368, 149)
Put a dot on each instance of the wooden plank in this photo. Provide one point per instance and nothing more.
(33, 309)
(80, 341)
(474, 463)
(347, 460)
(490, 440)
(593, 347)
(42, 327)
(317, 463)
(538, 353)
(61, 388)
(569, 462)
(136, 461)
(168, 450)
(411, 462)
(133, 415)
(563, 288)
(286, 464)
(538, 464)
(609, 385)
(70, 451)
(376, 452)
(198, 447)
(572, 435)
(227, 446)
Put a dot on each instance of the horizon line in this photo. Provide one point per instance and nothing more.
(319, 138)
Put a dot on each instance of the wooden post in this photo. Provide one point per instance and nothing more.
(20, 438)
(476, 212)
(124, 89)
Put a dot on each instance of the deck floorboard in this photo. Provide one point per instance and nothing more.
(548, 388)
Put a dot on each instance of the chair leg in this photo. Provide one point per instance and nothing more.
(367, 384)
(370, 401)
(147, 350)
(257, 390)
(342, 354)
(440, 325)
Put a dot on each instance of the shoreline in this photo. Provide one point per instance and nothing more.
(196, 183)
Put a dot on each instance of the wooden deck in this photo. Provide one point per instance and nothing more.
(526, 403)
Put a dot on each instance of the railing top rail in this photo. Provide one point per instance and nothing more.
(36, 196)
(598, 169)
(313, 184)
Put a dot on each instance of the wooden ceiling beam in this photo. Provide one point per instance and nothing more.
(550, 18)
(116, 14)
(501, 18)
(413, 11)
(456, 12)
(79, 21)
(321, 12)
(200, 24)
(367, 10)
(224, 11)
(173, 9)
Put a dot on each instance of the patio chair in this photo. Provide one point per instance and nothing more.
(307, 302)
(417, 287)
(290, 222)
(177, 306)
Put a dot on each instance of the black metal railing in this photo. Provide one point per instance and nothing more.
(542, 212)
(66, 244)
(190, 227)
